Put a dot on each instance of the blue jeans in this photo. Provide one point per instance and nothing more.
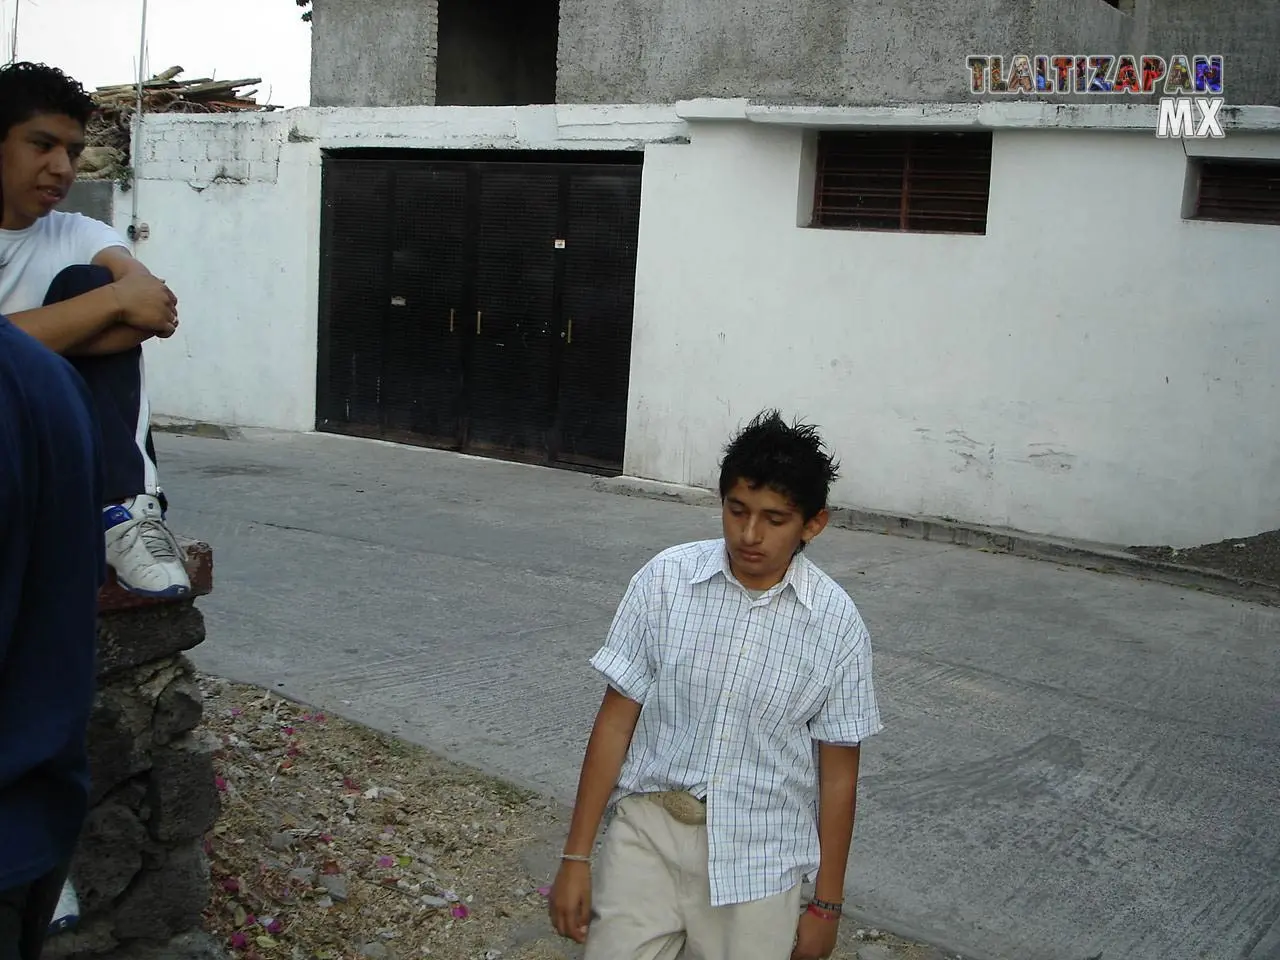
(119, 397)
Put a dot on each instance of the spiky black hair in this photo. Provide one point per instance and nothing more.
(788, 459)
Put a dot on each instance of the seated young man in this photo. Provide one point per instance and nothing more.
(51, 566)
(727, 744)
(70, 282)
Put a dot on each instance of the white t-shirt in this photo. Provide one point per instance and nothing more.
(31, 258)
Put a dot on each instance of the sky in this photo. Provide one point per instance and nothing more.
(97, 41)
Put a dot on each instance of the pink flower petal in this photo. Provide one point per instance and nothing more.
(544, 891)
(239, 941)
(289, 731)
(221, 784)
(231, 885)
(460, 912)
(275, 926)
(236, 711)
(320, 718)
(386, 862)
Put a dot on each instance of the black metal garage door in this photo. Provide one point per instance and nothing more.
(480, 305)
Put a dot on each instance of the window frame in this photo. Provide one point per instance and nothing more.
(913, 158)
(1231, 176)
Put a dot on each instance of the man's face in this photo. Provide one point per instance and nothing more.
(37, 166)
(762, 530)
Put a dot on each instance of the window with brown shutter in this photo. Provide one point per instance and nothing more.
(913, 182)
(1238, 191)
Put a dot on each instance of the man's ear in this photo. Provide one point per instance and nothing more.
(816, 525)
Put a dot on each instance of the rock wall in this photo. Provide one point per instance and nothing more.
(140, 870)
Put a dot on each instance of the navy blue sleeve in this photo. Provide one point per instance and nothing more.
(51, 568)
(17, 502)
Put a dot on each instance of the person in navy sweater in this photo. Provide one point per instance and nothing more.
(52, 565)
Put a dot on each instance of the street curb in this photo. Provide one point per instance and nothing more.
(1100, 558)
(193, 428)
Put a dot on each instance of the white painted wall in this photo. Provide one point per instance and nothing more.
(233, 206)
(233, 212)
(1059, 375)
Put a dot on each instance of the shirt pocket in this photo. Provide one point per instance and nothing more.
(787, 685)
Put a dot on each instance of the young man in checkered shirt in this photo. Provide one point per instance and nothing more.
(727, 744)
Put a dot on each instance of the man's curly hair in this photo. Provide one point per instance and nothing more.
(30, 89)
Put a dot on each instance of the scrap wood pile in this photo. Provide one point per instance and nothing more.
(107, 155)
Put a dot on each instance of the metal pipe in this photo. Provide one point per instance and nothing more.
(135, 160)
(13, 46)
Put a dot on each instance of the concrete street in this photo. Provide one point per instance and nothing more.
(1075, 765)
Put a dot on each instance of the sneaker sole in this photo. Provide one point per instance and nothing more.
(168, 593)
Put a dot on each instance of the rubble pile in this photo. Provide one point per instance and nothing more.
(109, 135)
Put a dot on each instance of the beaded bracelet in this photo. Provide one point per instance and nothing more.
(822, 914)
(827, 905)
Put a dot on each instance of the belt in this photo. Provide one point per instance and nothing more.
(683, 806)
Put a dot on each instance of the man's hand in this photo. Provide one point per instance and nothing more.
(570, 901)
(815, 937)
(146, 303)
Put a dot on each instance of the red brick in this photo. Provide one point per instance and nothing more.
(198, 559)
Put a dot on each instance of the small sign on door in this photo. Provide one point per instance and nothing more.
(560, 244)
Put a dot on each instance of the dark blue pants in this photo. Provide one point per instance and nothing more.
(116, 382)
(25, 914)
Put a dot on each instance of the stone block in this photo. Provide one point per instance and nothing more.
(182, 794)
(196, 945)
(119, 740)
(122, 724)
(168, 901)
(130, 638)
(178, 709)
(197, 557)
(90, 939)
(108, 857)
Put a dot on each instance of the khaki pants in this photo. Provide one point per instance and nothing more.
(652, 898)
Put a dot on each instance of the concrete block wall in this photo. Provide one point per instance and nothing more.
(377, 53)
(93, 198)
(374, 53)
(213, 148)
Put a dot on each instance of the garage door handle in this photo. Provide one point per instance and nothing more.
(478, 322)
(569, 339)
(451, 313)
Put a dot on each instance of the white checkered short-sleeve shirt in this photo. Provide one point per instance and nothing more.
(736, 692)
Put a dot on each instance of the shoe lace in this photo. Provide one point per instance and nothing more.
(158, 541)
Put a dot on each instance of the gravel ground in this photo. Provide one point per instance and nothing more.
(1250, 558)
(340, 843)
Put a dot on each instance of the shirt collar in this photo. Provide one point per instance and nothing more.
(798, 576)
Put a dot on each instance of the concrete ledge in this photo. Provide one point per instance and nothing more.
(1098, 557)
(989, 114)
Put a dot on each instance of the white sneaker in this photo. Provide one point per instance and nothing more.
(142, 551)
(67, 914)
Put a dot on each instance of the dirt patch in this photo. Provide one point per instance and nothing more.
(337, 842)
(1249, 558)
